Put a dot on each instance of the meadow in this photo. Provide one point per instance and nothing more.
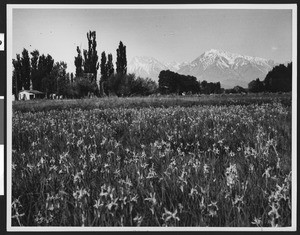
(159, 161)
(155, 101)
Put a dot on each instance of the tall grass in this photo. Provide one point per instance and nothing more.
(176, 166)
(154, 101)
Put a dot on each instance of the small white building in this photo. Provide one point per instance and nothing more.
(30, 94)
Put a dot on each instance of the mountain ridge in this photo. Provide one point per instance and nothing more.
(230, 69)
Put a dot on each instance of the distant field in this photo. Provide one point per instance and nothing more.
(155, 161)
(158, 101)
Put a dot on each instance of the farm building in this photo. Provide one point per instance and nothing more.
(30, 94)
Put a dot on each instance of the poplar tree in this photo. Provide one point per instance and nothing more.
(17, 75)
(72, 77)
(103, 68)
(109, 65)
(45, 67)
(25, 64)
(121, 63)
(78, 63)
(34, 69)
(91, 64)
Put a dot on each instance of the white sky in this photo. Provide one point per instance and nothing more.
(165, 34)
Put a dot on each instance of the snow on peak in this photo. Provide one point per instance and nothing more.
(146, 66)
(175, 66)
(224, 59)
(212, 63)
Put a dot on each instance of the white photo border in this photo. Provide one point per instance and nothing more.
(9, 11)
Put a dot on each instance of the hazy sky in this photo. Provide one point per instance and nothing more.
(165, 34)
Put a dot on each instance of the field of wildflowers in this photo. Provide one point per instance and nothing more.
(226, 165)
(155, 101)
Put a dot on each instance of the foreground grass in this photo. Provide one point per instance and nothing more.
(177, 166)
(155, 102)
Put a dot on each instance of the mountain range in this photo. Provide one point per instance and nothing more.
(230, 69)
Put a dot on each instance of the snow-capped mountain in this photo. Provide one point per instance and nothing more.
(146, 67)
(175, 66)
(230, 69)
(150, 67)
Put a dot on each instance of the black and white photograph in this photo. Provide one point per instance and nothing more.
(175, 117)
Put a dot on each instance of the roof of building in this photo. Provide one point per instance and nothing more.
(33, 91)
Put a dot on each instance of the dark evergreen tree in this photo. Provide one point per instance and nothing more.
(25, 61)
(45, 66)
(34, 69)
(24, 73)
(103, 72)
(103, 67)
(121, 63)
(55, 81)
(62, 81)
(108, 70)
(34, 59)
(171, 82)
(256, 86)
(110, 65)
(90, 63)
(68, 77)
(49, 62)
(279, 79)
(17, 76)
(210, 87)
(78, 63)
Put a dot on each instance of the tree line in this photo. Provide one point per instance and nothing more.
(170, 82)
(279, 79)
(40, 72)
